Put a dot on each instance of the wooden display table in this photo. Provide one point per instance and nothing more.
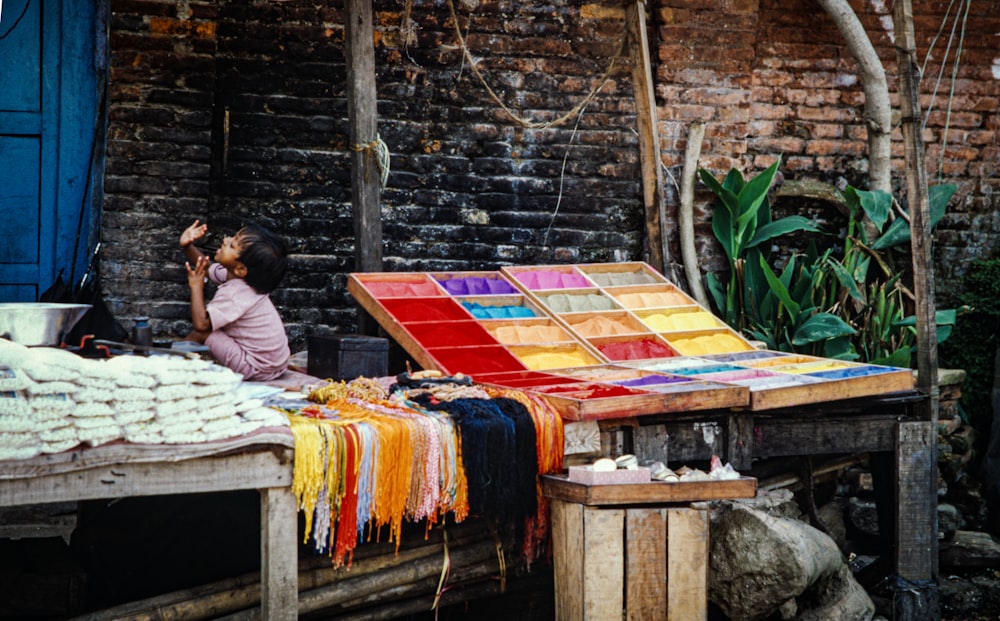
(638, 547)
(261, 460)
(900, 440)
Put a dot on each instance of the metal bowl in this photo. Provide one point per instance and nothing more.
(39, 323)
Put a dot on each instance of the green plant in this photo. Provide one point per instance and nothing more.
(867, 288)
(847, 304)
(777, 310)
(742, 225)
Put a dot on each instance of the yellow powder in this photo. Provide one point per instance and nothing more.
(553, 360)
(712, 344)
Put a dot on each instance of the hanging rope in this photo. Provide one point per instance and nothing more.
(467, 55)
(380, 151)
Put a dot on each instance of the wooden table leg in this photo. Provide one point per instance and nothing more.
(279, 579)
(916, 521)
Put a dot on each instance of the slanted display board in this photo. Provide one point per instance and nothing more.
(600, 340)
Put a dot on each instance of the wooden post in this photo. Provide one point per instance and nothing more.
(916, 194)
(362, 116)
(649, 139)
(279, 554)
(919, 568)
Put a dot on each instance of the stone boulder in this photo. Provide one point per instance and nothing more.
(760, 565)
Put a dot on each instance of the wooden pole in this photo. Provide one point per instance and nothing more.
(362, 117)
(649, 140)
(921, 567)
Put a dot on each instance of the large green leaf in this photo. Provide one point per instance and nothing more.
(715, 289)
(729, 198)
(780, 227)
(902, 358)
(779, 290)
(722, 227)
(846, 280)
(899, 231)
(840, 348)
(946, 317)
(821, 326)
(754, 193)
(875, 203)
(733, 181)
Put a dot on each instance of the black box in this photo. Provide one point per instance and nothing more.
(346, 357)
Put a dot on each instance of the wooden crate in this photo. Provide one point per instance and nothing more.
(629, 550)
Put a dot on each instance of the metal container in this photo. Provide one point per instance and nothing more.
(39, 323)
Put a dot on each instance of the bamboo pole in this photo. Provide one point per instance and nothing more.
(243, 592)
(921, 566)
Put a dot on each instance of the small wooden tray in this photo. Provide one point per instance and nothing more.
(560, 487)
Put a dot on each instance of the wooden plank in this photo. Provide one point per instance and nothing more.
(650, 443)
(832, 390)
(655, 492)
(739, 441)
(567, 556)
(916, 516)
(649, 140)
(697, 439)
(696, 397)
(362, 114)
(207, 474)
(603, 564)
(812, 435)
(687, 564)
(646, 564)
(279, 554)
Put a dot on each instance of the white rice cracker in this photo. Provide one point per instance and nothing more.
(19, 445)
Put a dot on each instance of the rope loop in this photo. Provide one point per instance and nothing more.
(380, 150)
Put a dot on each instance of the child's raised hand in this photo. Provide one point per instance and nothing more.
(193, 233)
(196, 274)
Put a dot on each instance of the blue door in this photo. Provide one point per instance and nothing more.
(50, 73)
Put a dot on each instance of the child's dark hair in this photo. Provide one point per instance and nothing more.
(265, 256)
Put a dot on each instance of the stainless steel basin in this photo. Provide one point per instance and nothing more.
(39, 323)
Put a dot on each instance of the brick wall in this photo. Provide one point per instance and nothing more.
(236, 110)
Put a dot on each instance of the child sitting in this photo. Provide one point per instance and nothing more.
(240, 326)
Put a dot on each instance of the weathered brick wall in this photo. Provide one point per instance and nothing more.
(772, 77)
(236, 110)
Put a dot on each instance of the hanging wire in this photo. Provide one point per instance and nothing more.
(951, 92)
(562, 178)
(467, 55)
(947, 50)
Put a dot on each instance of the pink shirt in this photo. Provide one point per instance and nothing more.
(247, 333)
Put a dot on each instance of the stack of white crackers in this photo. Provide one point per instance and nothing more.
(52, 400)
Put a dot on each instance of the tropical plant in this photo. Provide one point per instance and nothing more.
(777, 310)
(846, 303)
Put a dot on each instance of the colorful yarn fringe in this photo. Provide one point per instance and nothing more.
(366, 460)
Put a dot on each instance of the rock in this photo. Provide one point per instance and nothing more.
(969, 550)
(949, 520)
(778, 502)
(837, 598)
(758, 562)
(863, 515)
(832, 516)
